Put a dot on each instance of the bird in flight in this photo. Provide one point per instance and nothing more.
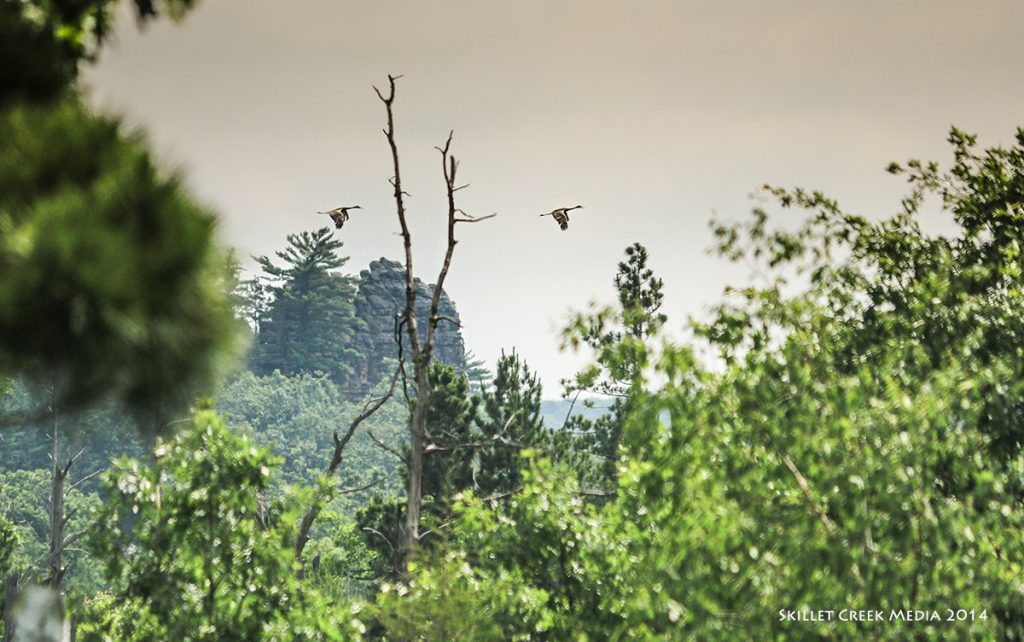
(561, 215)
(340, 214)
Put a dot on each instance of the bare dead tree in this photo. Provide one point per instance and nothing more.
(50, 568)
(421, 350)
(340, 441)
(59, 542)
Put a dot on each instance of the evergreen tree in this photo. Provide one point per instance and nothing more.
(112, 284)
(310, 320)
(476, 371)
(617, 337)
(448, 466)
(43, 41)
(510, 421)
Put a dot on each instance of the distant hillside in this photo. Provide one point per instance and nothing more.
(553, 411)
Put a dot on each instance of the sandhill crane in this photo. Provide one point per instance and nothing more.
(561, 215)
(340, 214)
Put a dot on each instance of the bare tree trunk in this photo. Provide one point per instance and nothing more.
(55, 560)
(11, 590)
(410, 533)
(421, 352)
(52, 565)
(59, 491)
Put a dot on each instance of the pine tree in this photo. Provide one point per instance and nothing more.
(615, 337)
(310, 321)
(448, 466)
(511, 420)
(112, 285)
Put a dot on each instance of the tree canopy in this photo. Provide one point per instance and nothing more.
(309, 320)
(858, 450)
(111, 283)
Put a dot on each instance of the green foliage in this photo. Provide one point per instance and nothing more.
(102, 431)
(22, 503)
(292, 415)
(339, 563)
(42, 41)
(110, 280)
(527, 568)
(619, 338)
(379, 521)
(8, 542)
(250, 297)
(510, 420)
(856, 451)
(476, 371)
(296, 417)
(310, 318)
(185, 540)
(617, 335)
(449, 600)
(106, 617)
(448, 466)
(640, 300)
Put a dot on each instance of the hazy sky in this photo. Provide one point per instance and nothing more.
(654, 115)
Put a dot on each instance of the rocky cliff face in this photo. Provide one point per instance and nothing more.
(380, 300)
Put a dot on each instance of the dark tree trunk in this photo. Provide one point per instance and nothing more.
(10, 595)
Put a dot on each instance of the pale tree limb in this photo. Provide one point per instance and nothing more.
(816, 508)
(805, 488)
(383, 446)
(421, 351)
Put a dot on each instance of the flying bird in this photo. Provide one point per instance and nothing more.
(340, 214)
(561, 215)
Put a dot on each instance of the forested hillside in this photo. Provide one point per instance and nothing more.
(192, 451)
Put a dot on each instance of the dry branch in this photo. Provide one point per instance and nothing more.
(340, 441)
(421, 351)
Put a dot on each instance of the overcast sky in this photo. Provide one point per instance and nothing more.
(654, 115)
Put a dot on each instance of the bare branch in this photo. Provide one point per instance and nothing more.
(74, 537)
(596, 493)
(356, 489)
(340, 441)
(496, 497)
(571, 406)
(448, 168)
(399, 322)
(431, 531)
(380, 535)
(805, 488)
(447, 144)
(434, 448)
(70, 462)
(466, 218)
(387, 448)
(422, 351)
(396, 183)
(455, 322)
(496, 438)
